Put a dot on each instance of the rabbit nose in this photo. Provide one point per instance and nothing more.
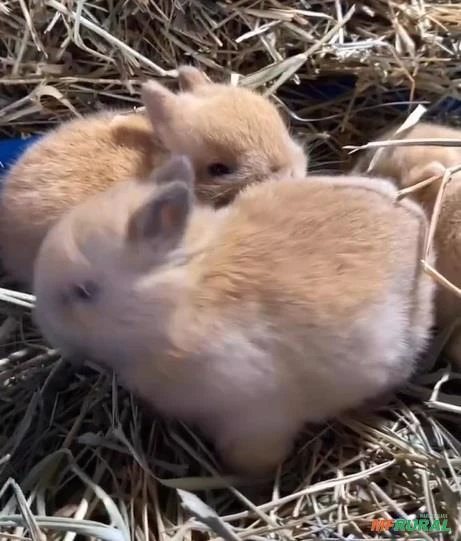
(74, 358)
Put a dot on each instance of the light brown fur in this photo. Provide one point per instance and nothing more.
(296, 302)
(212, 123)
(412, 164)
(76, 160)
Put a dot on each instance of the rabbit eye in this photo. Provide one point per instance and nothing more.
(85, 291)
(218, 170)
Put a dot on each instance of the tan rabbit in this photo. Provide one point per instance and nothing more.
(234, 136)
(297, 301)
(409, 165)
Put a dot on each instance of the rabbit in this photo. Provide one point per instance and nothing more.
(297, 301)
(410, 165)
(233, 135)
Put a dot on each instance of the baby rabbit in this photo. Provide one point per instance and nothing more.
(297, 301)
(409, 165)
(233, 136)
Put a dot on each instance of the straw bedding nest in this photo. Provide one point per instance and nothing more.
(78, 455)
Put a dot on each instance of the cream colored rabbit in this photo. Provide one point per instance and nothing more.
(234, 136)
(409, 165)
(299, 300)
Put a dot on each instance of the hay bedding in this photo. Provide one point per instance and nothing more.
(81, 458)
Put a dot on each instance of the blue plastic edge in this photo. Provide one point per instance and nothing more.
(11, 150)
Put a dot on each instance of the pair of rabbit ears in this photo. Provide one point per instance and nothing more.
(159, 101)
(163, 218)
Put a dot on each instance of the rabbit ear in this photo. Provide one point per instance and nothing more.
(191, 78)
(176, 168)
(163, 219)
(301, 157)
(420, 173)
(159, 101)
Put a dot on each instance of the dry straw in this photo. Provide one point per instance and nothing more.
(78, 457)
